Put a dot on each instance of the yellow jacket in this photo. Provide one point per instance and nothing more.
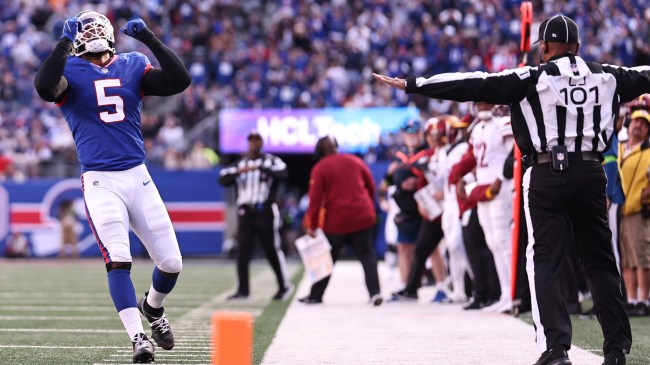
(633, 169)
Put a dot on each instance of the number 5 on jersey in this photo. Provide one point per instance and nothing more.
(114, 100)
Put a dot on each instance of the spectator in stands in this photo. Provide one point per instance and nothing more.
(323, 49)
(69, 236)
(201, 157)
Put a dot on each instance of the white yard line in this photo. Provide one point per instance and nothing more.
(59, 347)
(58, 330)
(57, 318)
(70, 308)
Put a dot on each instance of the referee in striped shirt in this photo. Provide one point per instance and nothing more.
(563, 115)
(257, 176)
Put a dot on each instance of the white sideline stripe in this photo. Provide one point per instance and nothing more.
(59, 347)
(62, 330)
(419, 333)
(56, 318)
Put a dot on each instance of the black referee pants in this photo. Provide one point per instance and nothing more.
(429, 237)
(559, 206)
(486, 279)
(261, 222)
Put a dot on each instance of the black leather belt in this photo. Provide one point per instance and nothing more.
(573, 156)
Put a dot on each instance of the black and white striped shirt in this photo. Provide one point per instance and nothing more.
(565, 101)
(260, 183)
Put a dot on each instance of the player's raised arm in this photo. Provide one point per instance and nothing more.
(49, 82)
(173, 77)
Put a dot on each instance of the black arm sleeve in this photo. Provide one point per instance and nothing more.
(276, 174)
(228, 176)
(49, 82)
(630, 82)
(503, 88)
(172, 78)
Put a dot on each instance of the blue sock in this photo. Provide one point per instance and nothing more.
(163, 282)
(121, 288)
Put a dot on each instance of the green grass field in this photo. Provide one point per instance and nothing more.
(61, 313)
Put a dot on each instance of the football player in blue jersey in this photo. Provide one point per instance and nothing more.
(100, 94)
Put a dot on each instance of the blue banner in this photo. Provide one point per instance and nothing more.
(194, 202)
(296, 131)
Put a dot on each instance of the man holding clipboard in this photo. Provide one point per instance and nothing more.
(341, 203)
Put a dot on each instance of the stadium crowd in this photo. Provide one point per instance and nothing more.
(280, 54)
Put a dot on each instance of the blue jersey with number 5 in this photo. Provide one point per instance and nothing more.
(102, 108)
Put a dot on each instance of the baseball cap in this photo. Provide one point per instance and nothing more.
(254, 134)
(558, 29)
(411, 126)
(641, 113)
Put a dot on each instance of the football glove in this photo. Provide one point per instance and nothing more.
(133, 27)
(70, 29)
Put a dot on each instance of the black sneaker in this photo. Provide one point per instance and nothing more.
(238, 296)
(639, 309)
(308, 300)
(615, 357)
(376, 300)
(554, 356)
(161, 332)
(473, 304)
(142, 349)
(284, 293)
(403, 296)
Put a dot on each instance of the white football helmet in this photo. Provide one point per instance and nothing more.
(96, 34)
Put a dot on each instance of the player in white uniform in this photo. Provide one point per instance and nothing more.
(100, 94)
(491, 140)
(388, 205)
(451, 224)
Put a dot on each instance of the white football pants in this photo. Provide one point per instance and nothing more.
(495, 217)
(458, 262)
(116, 200)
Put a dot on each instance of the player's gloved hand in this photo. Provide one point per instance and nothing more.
(133, 27)
(70, 28)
